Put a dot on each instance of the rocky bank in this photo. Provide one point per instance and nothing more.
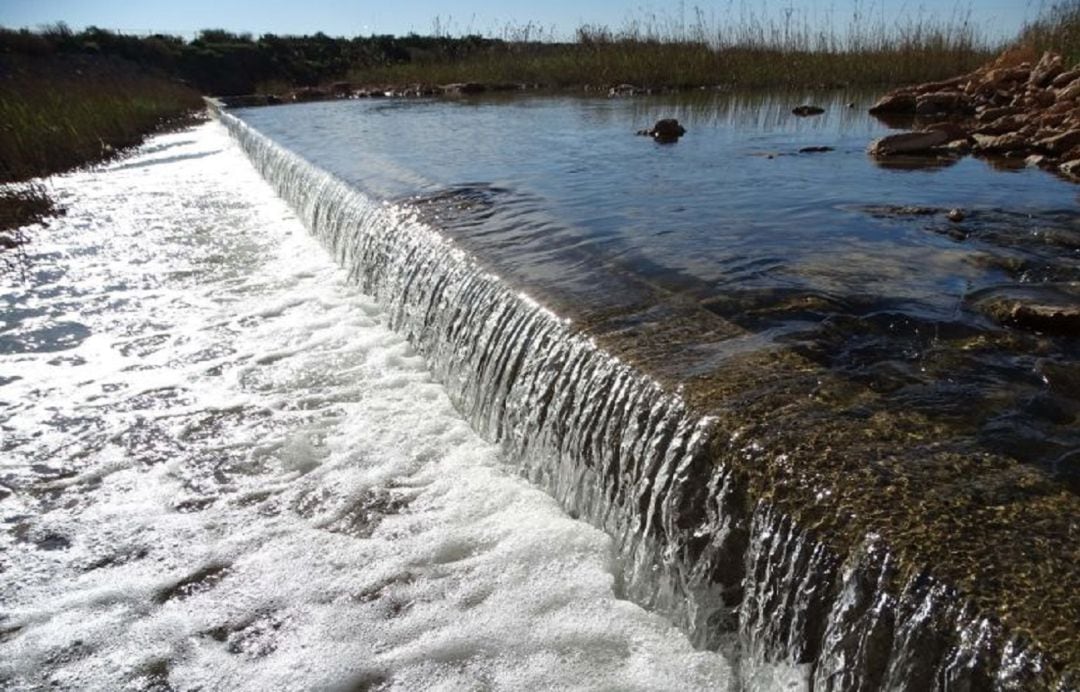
(1020, 106)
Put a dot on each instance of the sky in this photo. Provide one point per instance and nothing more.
(553, 18)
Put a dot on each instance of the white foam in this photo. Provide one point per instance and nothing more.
(240, 418)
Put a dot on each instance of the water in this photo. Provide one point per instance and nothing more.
(827, 253)
(810, 439)
(780, 399)
(221, 470)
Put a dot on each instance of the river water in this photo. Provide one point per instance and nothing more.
(542, 403)
(221, 470)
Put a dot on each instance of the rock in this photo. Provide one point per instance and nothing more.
(1010, 123)
(1001, 144)
(1070, 92)
(989, 115)
(815, 150)
(666, 130)
(1065, 79)
(1071, 169)
(625, 90)
(1060, 144)
(806, 111)
(462, 88)
(943, 103)
(1049, 66)
(1050, 308)
(952, 130)
(895, 103)
(908, 143)
(955, 215)
(8, 241)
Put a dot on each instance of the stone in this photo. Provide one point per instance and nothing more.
(1010, 123)
(815, 150)
(1001, 144)
(625, 90)
(989, 115)
(462, 88)
(1050, 65)
(806, 111)
(1050, 308)
(956, 215)
(1065, 79)
(1060, 144)
(1071, 169)
(665, 130)
(894, 103)
(1070, 92)
(908, 143)
(952, 130)
(942, 103)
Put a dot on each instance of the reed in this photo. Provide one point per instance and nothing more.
(60, 113)
(1056, 29)
(750, 51)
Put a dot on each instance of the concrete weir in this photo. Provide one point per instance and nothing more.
(769, 505)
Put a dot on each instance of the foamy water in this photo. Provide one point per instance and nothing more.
(221, 470)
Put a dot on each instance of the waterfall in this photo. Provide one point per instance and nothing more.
(624, 453)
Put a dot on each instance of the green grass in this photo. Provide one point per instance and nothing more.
(57, 114)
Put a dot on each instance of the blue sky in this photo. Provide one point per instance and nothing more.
(491, 17)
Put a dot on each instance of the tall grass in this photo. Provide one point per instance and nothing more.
(1057, 29)
(745, 51)
(59, 113)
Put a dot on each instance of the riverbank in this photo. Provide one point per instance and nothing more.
(63, 112)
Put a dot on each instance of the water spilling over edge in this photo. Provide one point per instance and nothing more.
(613, 446)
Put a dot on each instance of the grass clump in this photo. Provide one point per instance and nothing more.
(57, 113)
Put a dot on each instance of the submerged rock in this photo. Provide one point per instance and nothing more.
(806, 111)
(666, 130)
(1050, 308)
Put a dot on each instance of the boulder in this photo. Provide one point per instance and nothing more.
(1001, 126)
(895, 103)
(665, 130)
(1071, 169)
(1050, 65)
(806, 111)
(908, 143)
(462, 88)
(1060, 144)
(989, 115)
(943, 103)
(1070, 92)
(625, 90)
(1065, 78)
(1001, 144)
(1051, 309)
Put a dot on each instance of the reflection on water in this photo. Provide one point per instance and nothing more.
(558, 194)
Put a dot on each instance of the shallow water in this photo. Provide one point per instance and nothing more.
(849, 263)
(221, 469)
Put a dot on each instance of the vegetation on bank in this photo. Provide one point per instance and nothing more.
(1058, 29)
(60, 112)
